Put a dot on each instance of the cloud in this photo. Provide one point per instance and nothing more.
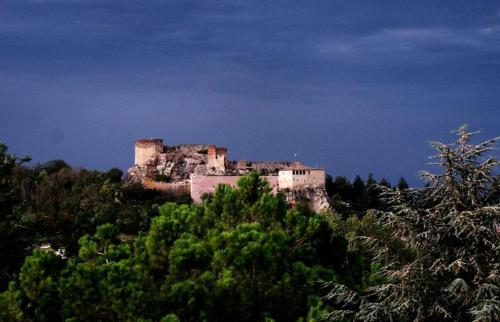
(413, 38)
(424, 42)
(491, 31)
(64, 1)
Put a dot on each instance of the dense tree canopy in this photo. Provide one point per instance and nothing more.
(243, 254)
(55, 204)
(359, 196)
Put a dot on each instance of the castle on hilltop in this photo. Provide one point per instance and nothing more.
(196, 169)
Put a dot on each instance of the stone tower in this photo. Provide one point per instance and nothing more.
(147, 151)
(216, 160)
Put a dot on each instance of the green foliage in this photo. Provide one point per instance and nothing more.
(165, 229)
(133, 254)
(36, 297)
(170, 318)
(105, 282)
(15, 225)
(71, 202)
(243, 254)
(52, 166)
(448, 268)
(317, 311)
(55, 204)
(357, 197)
(355, 230)
(114, 175)
(402, 184)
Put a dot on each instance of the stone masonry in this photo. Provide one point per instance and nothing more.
(198, 168)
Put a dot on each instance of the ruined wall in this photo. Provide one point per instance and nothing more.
(301, 178)
(207, 184)
(188, 149)
(266, 167)
(178, 188)
(147, 151)
(216, 160)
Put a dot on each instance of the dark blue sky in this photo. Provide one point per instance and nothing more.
(354, 86)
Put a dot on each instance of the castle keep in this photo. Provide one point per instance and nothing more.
(196, 169)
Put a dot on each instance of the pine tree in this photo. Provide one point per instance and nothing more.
(359, 194)
(385, 183)
(372, 192)
(402, 184)
(449, 269)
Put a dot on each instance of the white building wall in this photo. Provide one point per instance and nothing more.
(301, 178)
(285, 179)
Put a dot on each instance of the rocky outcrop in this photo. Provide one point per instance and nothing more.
(176, 163)
(316, 199)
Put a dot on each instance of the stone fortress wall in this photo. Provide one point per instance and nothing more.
(301, 178)
(197, 169)
(201, 185)
(147, 150)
